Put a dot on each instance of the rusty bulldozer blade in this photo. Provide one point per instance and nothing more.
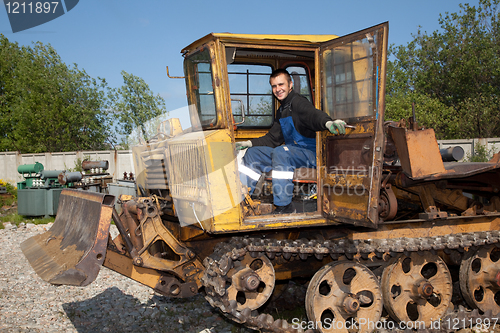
(73, 250)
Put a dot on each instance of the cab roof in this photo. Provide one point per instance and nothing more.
(260, 39)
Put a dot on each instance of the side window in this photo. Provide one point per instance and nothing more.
(300, 80)
(251, 94)
(199, 84)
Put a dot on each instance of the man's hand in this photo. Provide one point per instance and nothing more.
(240, 145)
(336, 126)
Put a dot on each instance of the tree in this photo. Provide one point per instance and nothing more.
(46, 106)
(453, 75)
(138, 109)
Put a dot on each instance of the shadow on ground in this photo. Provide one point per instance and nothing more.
(115, 311)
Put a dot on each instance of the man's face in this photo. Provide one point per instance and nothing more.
(281, 87)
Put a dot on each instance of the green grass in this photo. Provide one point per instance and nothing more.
(16, 219)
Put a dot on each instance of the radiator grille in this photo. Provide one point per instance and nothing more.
(187, 171)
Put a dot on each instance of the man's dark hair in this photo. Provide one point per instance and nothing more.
(281, 71)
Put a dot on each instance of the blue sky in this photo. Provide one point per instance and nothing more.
(142, 37)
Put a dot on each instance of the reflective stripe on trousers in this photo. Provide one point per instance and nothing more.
(283, 160)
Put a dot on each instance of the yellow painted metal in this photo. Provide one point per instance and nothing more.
(123, 265)
(221, 213)
(186, 266)
(204, 179)
(255, 38)
(246, 135)
(363, 148)
(453, 225)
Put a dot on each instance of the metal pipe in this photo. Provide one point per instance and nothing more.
(50, 173)
(452, 154)
(123, 232)
(69, 177)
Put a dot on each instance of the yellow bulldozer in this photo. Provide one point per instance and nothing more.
(383, 227)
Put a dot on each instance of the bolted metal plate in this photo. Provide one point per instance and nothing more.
(73, 250)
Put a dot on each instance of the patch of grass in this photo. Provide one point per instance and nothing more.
(7, 200)
(15, 218)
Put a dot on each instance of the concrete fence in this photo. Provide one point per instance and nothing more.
(120, 161)
(470, 146)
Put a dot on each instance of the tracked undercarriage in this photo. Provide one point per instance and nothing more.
(406, 276)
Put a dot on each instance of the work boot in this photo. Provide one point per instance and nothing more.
(288, 209)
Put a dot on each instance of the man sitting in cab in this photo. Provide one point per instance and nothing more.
(296, 124)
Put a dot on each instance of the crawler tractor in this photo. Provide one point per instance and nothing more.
(383, 229)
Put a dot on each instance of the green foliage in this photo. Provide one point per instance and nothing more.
(137, 109)
(452, 74)
(11, 189)
(481, 154)
(78, 164)
(430, 113)
(46, 106)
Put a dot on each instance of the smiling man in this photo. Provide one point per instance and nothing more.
(295, 125)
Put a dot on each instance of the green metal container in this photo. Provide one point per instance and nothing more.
(38, 202)
(30, 168)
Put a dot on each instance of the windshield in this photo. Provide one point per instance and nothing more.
(200, 89)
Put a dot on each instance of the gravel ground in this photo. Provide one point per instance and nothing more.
(112, 303)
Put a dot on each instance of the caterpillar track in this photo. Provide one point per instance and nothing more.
(224, 264)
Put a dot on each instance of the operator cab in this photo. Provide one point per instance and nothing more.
(227, 81)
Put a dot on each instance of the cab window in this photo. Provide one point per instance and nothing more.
(300, 80)
(251, 95)
(348, 79)
(198, 69)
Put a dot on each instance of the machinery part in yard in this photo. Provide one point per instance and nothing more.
(88, 165)
(417, 287)
(251, 282)
(343, 295)
(74, 249)
(452, 154)
(69, 177)
(480, 279)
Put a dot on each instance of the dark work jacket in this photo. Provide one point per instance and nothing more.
(306, 119)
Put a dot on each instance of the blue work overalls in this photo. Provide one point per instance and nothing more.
(298, 151)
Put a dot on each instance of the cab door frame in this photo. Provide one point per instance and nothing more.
(357, 203)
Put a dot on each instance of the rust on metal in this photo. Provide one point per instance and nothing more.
(338, 290)
(88, 165)
(172, 287)
(407, 284)
(73, 250)
(418, 151)
(479, 275)
(129, 208)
